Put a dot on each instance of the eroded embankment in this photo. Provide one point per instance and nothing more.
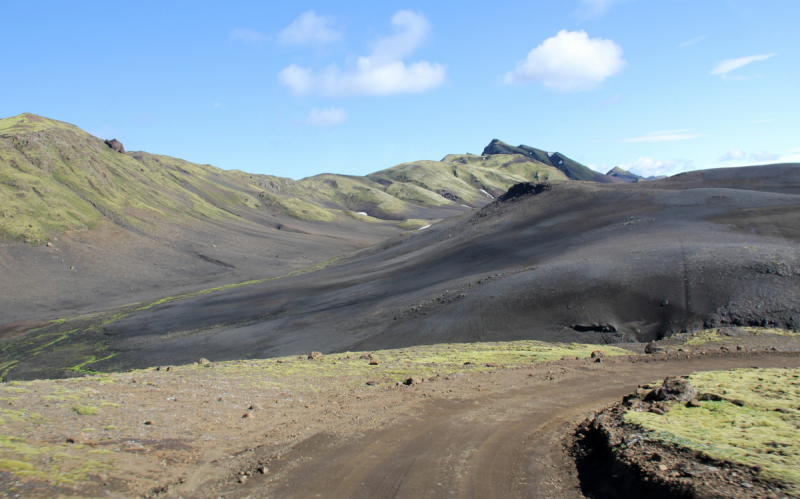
(708, 435)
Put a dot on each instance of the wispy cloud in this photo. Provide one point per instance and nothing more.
(757, 158)
(569, 62)
(383, 72)
(664, 136)
(688, 43)
(596, 8)
(722, 68)
(647, 167)
(737, 154)
(310, 29)
(732, 155)
(248, 36)
(326, 117)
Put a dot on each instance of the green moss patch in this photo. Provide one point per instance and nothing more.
(763, 432)
(716, 336)
(86, 410)
(353, 369)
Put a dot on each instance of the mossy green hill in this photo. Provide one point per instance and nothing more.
(56, 177)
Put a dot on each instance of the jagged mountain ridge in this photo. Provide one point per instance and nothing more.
(572, 169)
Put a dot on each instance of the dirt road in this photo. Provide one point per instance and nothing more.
(502, 436)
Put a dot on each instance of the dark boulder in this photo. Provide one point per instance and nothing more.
(115, 144)
(674, 388)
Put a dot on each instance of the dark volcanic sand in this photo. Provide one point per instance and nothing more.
(577, 262)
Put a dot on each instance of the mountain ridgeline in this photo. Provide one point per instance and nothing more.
(56, 177)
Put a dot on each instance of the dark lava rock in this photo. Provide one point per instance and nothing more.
(525, 188)
(674, 388)
(652, 348)
(596, 328)
(115, 144)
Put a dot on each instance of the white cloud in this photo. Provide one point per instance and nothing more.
(248, 36)
(664, 136)
(687, 43)
(382, 72)
(647, 167)
(737, 154)
(763, 156)
(724, 67)
(327, 117)
(596, 8)
(733, 155)
(758, 158)
(310, 29)
(569, 62)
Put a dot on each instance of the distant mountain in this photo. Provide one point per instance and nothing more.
(56, 177)
(572, 169)
(627, 176)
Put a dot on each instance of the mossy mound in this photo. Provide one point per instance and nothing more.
(755, 423)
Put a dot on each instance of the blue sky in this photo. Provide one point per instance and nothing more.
(297, 89)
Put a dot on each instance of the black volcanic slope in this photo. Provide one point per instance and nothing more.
(569, 261)
(571, 168)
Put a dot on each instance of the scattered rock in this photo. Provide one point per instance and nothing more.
(781, 410)
(49, 245)
(372, 383)
(710, 396)
(254, 407)
(657, 410)
(77, 439)
(373, 362)
(598, 359)
(315, 356)
(149, 423)
(242, 478)
(249, 415)
(665, 303)
(693, 403)
(652, 348)
(739, 402)
(413, 381)
(203, 361)
(597, 354)
(674, 388)
(263, 470)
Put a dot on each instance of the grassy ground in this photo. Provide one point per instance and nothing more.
(349, 369)
(763, 431)
(716, 336)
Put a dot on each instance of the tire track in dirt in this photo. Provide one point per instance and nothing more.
(506, 443)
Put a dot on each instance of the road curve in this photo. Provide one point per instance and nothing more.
(503, 440)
